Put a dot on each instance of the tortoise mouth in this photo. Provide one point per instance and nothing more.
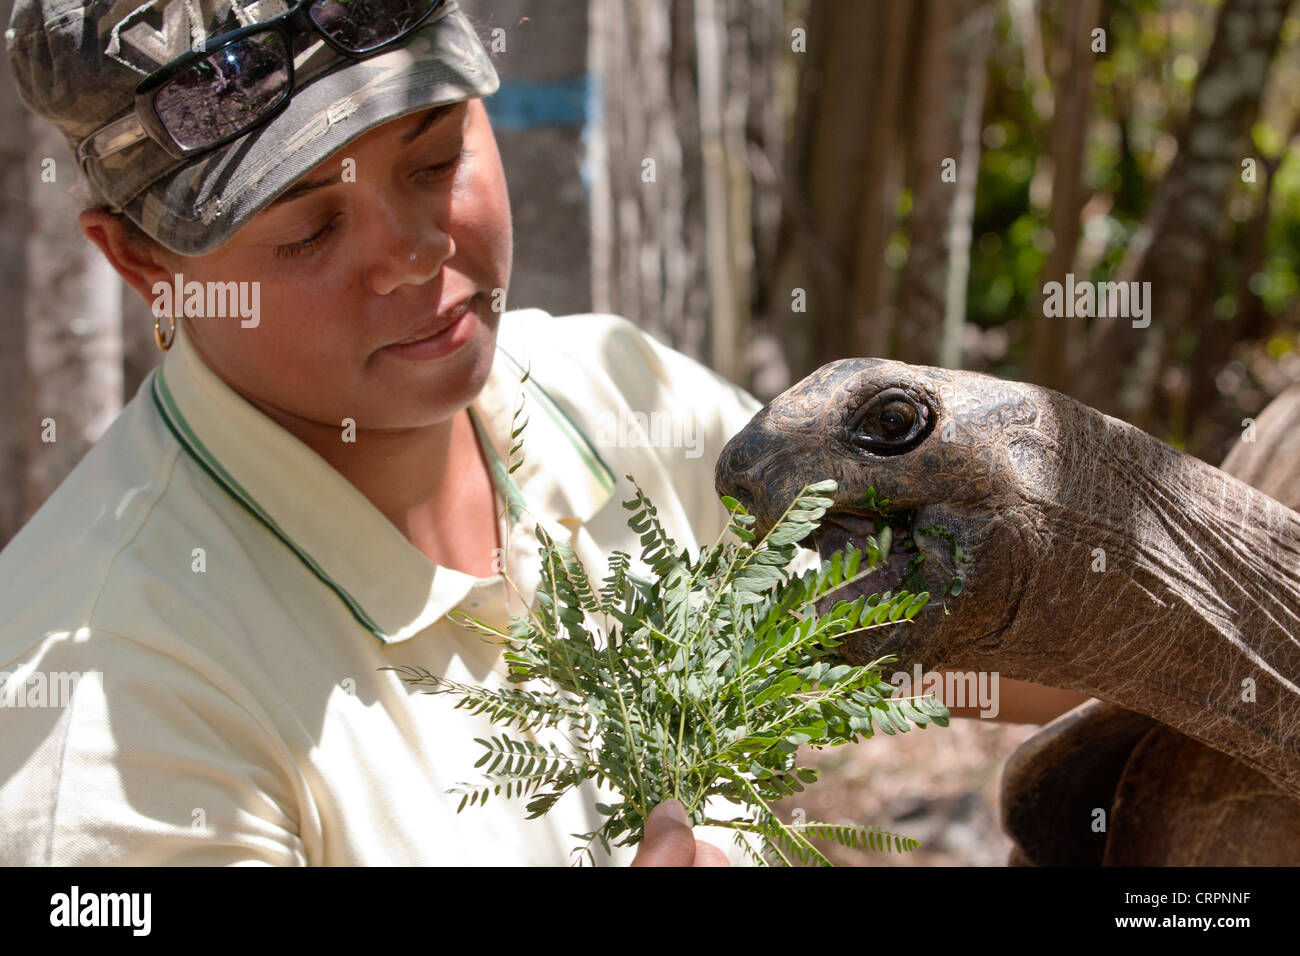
(841, 528)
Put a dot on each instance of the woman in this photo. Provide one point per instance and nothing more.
(301, 492)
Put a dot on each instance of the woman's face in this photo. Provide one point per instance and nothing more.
(374, 246)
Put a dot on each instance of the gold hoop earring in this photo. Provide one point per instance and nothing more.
(164, 343)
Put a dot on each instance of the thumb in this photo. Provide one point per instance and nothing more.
(668, 839)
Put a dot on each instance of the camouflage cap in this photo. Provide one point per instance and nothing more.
(78, 62)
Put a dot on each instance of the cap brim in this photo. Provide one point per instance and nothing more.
(194, 210)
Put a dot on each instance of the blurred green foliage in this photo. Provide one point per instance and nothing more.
(1141, 94)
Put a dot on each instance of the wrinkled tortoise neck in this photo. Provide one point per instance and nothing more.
(1164, 585)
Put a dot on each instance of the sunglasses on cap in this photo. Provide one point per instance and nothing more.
(239, 80)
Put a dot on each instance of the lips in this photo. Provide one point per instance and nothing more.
(444, 320)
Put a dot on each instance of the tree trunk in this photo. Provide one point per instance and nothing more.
(977, 39)
(1052, 337)
(1216, 337)
(538, 115)
(74, 324)
(15, 185)
(675, 215)
(825, 183)
(871, 298)
(1182, 232)
(652, 266)
(865, 127)
(933, 131)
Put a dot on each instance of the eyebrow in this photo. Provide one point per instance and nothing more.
(431, 117)
(303, 188)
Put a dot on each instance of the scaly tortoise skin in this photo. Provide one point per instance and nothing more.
(1197, 609)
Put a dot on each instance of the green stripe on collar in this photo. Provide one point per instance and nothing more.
(175, 421)
(590, 457)
(501, 477)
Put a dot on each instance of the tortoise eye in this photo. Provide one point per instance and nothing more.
(890, 423)
(896, 419)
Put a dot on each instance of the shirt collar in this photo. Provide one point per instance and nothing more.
(390, 587)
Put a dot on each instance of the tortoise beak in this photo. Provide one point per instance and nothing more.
(755, 469)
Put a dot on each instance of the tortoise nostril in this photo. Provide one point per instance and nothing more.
(738, 486)
(744, 495)
(745, 466)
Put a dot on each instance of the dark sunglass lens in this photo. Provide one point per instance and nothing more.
(361, 25)
(225, 91)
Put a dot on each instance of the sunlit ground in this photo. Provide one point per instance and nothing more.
(938, 785)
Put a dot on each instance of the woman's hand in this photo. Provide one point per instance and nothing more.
(668, 841)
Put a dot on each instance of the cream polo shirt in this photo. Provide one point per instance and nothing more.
(194, 624)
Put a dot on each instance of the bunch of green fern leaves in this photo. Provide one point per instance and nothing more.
(701, 680)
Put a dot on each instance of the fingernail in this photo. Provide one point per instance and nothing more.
(674, 809)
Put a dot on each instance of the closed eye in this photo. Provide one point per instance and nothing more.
(303, 246)
(441, 169)
(292, 249)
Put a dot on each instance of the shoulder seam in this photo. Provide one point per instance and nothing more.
(297, 785)
(165, 481)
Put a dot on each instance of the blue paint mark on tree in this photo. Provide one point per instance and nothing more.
(522, 104)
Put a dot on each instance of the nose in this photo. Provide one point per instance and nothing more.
(745, 471)
(408, 247)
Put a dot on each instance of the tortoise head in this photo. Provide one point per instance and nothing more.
(949, 455)
(1092, 556)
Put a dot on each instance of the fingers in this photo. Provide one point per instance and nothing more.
(668, 840)
(706, 854)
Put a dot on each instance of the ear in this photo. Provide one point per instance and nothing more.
(140, 267)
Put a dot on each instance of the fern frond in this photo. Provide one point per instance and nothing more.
(857, 837)
(703, 680)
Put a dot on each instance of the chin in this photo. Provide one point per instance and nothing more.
(483, 348)
(457, 386)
